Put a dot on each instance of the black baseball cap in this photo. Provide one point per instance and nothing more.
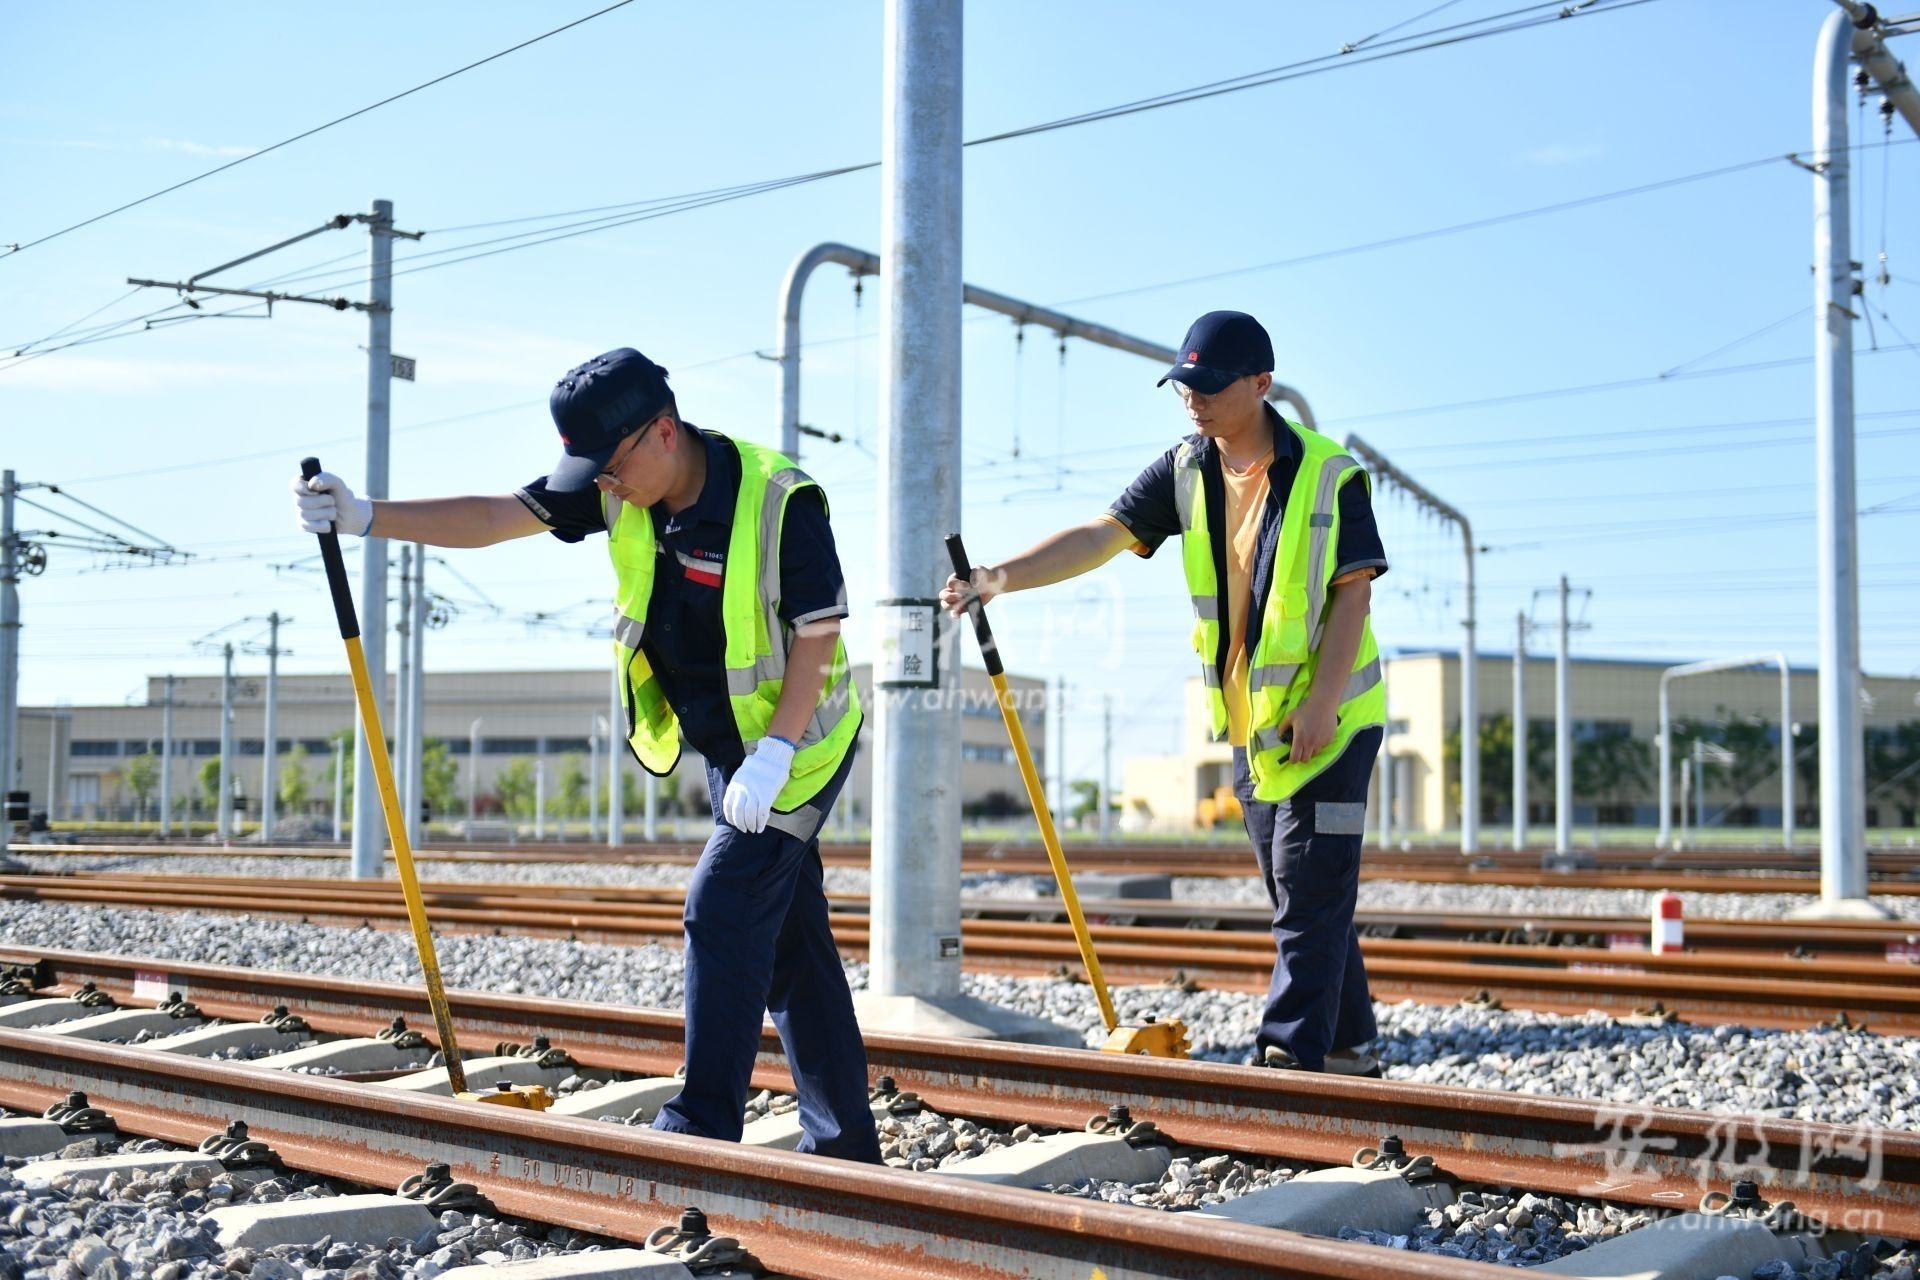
(1220, 347)
(596, 406)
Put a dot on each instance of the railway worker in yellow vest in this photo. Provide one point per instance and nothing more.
(728, 597)
(1279, 549)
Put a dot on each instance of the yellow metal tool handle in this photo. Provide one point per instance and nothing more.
(1036, 795)
(375, 739)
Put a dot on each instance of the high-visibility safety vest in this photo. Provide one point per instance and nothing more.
(756, 638)
(1280, 671)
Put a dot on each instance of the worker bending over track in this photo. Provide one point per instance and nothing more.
(1278, 542)
(729, 597)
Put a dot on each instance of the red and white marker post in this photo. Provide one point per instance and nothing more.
(1669, 929)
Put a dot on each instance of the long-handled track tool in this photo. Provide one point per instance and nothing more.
(533, 1097)
(1151, 1038)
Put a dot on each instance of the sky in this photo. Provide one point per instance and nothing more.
(1684, 502)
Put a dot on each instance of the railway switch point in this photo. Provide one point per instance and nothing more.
(1669, 926)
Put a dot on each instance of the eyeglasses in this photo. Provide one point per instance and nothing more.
(610, 472)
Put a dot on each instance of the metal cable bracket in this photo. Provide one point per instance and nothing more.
(434, 1187)
(1391, 1157)
(75, 1114)
(234, 1149)
(699, 1250)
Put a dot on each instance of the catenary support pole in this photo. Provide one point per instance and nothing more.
(593, 780)
(403, 685)
(269, 731)
(9, 635)
(1843, 849)
(1386, 759)
(1671, 674)
(540, 789)
(916, 795)
(1563, 731)
(1106, 766)
(339, 789)
(369, 835)
(166, 758)
(417, 754)
(223, 803)
(1520, 733)
(473, 775)
(862, 262)
(616, 797)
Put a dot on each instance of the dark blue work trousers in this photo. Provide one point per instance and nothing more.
(1308, 848)
(757, 942)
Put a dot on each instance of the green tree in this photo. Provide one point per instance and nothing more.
(513, 788)
(1613, 767)
(1893, 770)
(143, 776)
(1496, 764)
(572, 786)
(344, 737)
(440, 777)
(210, 783)
(293, 781)
(1084, 800)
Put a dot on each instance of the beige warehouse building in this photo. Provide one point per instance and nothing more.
(79, 754)
(1615, 712)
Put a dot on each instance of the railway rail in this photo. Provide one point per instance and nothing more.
(1892, 871)
(785, 1207)
(1732, 986)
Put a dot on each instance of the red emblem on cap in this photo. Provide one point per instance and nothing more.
(1193, 355)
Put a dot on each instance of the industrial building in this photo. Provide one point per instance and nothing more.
(489, 720)
(1615, 728)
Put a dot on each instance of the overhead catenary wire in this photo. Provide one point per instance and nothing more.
(320, 128)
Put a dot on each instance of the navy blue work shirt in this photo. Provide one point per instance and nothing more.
(1151, 513)
(686, 637)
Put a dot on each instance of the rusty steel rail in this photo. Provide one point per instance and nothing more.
(1890, 871)
(1773, 992)
(804, 1215)
(1883, 938)
(1853, 1178)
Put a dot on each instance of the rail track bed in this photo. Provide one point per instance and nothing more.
(1892, 871)
(1747, 985)
(812, 1217)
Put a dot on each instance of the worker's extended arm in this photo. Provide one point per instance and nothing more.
(326, 503)
(1314, 721)
(757, 782)
(1066, 554)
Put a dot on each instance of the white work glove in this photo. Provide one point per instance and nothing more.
(756, 782)
(325, 501)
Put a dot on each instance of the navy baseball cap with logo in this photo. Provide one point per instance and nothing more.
(596, 406)
(1220, 347)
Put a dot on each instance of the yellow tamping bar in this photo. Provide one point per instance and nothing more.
(1152, 1038)
(374, 736)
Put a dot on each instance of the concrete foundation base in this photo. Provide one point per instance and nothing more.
(128, 1164)
(356, 1219)
(1121, 884)
(42, 1012)
(22, 1136)
(1841, 909)
(482, 1074)
(958, 1017)
(1065, 1157)
(618, 1100)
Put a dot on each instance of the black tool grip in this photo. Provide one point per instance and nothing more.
(976, 608)
(336, 567)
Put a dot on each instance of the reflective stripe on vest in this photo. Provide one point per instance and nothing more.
(1203, 579)
(755, 637)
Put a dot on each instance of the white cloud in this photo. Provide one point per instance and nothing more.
(1558, 153)
(198, 148)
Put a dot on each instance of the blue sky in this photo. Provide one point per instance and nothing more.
(1685, 504)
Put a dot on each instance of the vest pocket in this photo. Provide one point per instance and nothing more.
(1289, 621)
